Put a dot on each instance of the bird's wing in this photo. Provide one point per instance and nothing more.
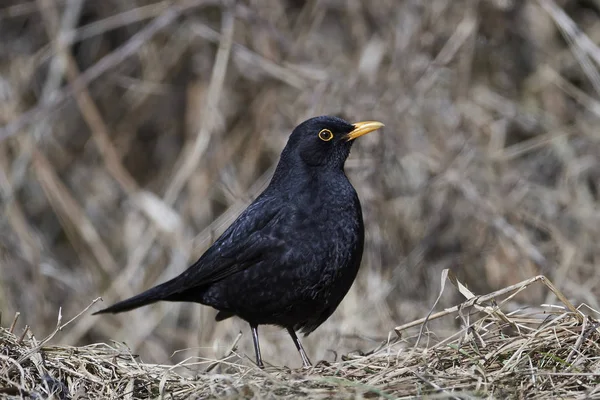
(249, 238)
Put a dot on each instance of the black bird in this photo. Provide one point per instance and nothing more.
(290, 258)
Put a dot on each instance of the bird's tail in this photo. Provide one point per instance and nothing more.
(163, 291)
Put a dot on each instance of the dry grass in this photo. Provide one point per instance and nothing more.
(133, 132)
(551, 352)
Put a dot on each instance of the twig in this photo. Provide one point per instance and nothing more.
(581, 45)
(59, 327)
(14, 323)
(22, 337)
(69, 210)
(106, 63)
(481, 299)
(191, 156)
(228, 353)
(244, 54)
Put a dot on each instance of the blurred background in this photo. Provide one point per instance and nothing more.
(132, 133)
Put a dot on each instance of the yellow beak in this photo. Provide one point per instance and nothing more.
(362, 128)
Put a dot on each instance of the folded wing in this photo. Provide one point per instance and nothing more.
(249, 238)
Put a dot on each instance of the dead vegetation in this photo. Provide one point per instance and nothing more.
(132, 133)
(547, 352)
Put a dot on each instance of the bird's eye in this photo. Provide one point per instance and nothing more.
(325, 135)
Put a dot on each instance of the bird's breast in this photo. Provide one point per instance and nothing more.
(327, 229)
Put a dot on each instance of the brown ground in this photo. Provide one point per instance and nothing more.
(134, 132)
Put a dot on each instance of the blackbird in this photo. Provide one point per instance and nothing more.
(290, 258)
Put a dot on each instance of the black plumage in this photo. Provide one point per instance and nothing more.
(290, 258)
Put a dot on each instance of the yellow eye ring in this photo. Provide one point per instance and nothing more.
(325, 135)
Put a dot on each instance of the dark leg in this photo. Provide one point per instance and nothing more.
(256, 346)
(305, 360)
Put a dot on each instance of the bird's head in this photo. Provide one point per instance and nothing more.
(325, 141)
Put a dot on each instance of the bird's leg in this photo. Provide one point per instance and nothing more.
(259, 361)
(305, 361)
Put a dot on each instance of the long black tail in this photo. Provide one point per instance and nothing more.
(164, 291)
